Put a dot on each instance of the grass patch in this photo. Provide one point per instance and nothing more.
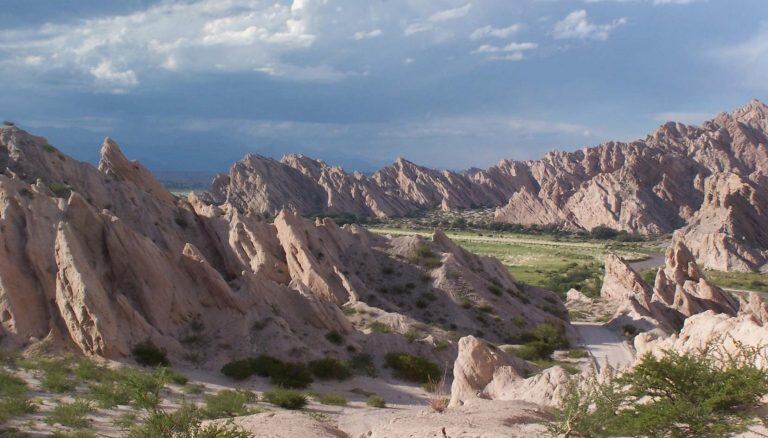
(330, 368)
(286, 398)
(413, 368)
(70, 414)
(228, 403)
(332, 399)
(376, 401)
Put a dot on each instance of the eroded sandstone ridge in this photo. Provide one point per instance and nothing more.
(679, 292)
(710, 178)
(101, 259)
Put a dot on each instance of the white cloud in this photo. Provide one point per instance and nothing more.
(203, 36)
(490, 31)
(747, 60)
(511, 52)
(367, 35)
(115, 80)
(437, 17)
(676, 2)
(577, 25)
(450, 14)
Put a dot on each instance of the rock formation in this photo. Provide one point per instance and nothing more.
(709, 178)
(679, 292)
(482, 371)
(103, 259)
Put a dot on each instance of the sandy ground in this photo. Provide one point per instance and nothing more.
(605, 346)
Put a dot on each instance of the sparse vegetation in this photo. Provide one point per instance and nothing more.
(700, 393)
(330, 368)
(332, 399)
(376, 401)
(149, 355)
(286, 398)
(285, 374)
(542, 341)
(334, 337)
(228, 403)
(413, 368)
(72, 414)
(59, 189)
(423, 256)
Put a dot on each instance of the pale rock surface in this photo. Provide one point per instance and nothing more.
(709, 179)
(99, 260)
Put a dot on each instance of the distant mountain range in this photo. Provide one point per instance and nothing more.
(696, 179)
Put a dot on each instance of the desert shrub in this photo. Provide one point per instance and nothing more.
(89, 371)
(70, 414)
(698, 393)
(74, 434)
(334, 337)
(376, 401)
(13, 406)
(238, 369)
(109, 394)
(603, 232)
(330, 368)
(286, 398)
(177, 378)
(541, 342)
(291, 375)
(629, 331)
(145, 387)
(264, 365)
(332, 399)
(413, 368)
(58, 381)
(379, 327)
(10, 385)
(149, 355)
(577, 353)
(362, 363)
(59, 189)
(228, 403)
(423, 256)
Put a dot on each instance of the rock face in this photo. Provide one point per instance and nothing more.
(708, 177)
(103, 259)
(679, 292)
(729, 231)
(482, 371)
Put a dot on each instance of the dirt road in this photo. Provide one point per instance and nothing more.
(606, 347)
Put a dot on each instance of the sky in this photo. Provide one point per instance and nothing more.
(195, 85)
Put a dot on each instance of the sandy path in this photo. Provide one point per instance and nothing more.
(604, 345)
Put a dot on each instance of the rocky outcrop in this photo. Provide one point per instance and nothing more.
(729, 232)
(482, 371)
(103, 259)
(679, 292)
(708, 177)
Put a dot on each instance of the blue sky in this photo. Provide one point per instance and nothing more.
(195, 85)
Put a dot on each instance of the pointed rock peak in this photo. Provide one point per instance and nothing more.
(111, 151)
(754, 111)
(680, 263)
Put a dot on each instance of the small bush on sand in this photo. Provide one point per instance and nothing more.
(149, 355)
(376, 401)
(228, 403)
(70, 414)
(238, 369)
(335, 337)
(286, 398)
(362, 363)
(413, 368)
(332, 399)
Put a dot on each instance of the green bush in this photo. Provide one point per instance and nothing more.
(413, 368)
(291, 375)
(286, 398)
(577, 353)
(332, 399)
(149, 355)
(376, 401)
(334, 337)
(228, 403)
(58, 381)
(60, 190)
(109, 394)
(362, 363)
(70, 414)
(701, 393)
(265, 366)
(238, 369)
(330, 368)
(541, 342)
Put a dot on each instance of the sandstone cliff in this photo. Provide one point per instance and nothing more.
(101, 259)
(707, 177)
